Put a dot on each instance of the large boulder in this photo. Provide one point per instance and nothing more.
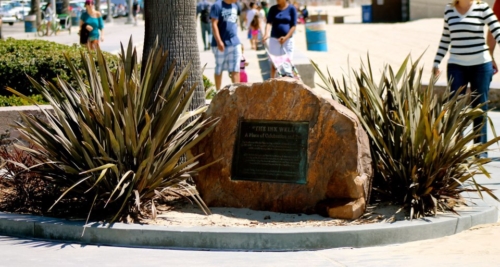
(338, 170)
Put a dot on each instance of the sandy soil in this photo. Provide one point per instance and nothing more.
(187, 215)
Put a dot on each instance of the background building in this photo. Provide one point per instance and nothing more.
(420, 9)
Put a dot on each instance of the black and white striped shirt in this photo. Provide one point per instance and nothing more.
(465, 34)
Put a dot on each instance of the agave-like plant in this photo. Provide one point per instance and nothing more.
(118, 137)
(421, 143)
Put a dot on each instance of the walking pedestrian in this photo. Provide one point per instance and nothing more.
(264, 7)
(226, 45)
(254, 31)
(305, 14)
(249, 18)
(48, 14)
(203, 10)
(281, 23)
(93, 22)
(135, 11)
(244, 7)
(469, 62)
(262, 14)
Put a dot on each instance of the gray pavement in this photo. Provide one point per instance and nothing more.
(387, 44)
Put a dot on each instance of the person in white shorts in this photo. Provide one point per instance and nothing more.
(281, 23)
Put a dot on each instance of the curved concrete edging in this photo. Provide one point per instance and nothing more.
(310, 238)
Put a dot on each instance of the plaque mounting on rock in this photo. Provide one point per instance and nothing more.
(271, 151)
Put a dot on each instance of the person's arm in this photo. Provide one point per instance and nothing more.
(490, 40)
(492, 43)
(101, 28)
(293, 25)
(290, 33)
(83, 18)
(269, 24)
(216, 34)
(444, 44)
(493, 35)
(214, 16)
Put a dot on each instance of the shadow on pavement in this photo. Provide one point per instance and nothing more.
(264, 64)
(36, 243)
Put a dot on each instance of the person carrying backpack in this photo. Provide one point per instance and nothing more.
(203, 10)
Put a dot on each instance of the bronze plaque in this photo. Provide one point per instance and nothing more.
(271, 151)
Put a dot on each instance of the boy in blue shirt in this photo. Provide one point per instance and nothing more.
(226, 45)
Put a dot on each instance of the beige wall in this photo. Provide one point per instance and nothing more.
(420, 9)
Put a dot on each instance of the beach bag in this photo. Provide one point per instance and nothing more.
(84, 34)
(284, 66)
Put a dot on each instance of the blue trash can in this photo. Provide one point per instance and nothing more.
(75, 19)
(366, 13)
(316, 36)
(30, 23)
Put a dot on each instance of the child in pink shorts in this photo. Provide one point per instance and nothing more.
(254, 31)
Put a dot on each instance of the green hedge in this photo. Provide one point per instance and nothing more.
(10, 101)
(39, 59)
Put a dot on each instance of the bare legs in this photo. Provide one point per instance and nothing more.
(273, 71)
(218, 81)
(235, 78)
(49, 24)
(254, 42)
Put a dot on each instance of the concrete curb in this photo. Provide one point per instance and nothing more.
(257, 239)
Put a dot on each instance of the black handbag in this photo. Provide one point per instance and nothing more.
(84, 34)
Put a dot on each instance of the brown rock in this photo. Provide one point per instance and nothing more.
(338, 153)
(342, 208)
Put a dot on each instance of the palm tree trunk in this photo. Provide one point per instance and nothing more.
(35, 10)
(173, 22)
(97, 5)
(110, 12)
(65, 7)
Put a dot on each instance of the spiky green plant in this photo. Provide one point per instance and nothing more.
(117, 138)
(421, 143)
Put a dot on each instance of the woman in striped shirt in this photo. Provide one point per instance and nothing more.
(470, 61)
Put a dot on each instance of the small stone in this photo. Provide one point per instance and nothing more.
(267, 217)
